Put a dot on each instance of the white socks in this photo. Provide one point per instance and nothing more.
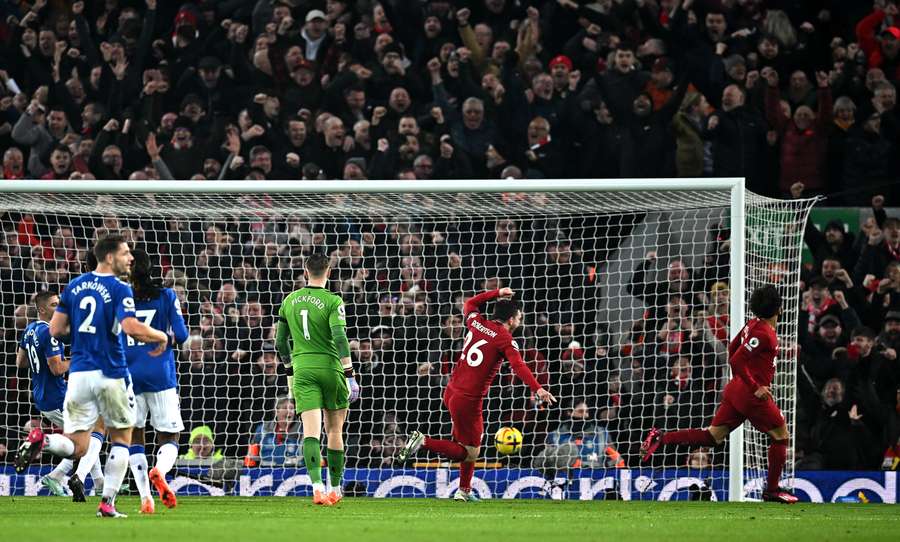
(138, 461)
(90, 462)
(116, 467)
(97, 474)
(59, 445)
(62, 471)
(319, 487)
(166, 457)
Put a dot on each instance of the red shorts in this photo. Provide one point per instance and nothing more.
(466, 413)
(739, 404)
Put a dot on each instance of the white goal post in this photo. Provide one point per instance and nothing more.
(605, 349)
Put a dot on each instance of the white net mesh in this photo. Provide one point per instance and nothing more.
(772, 256)
(626, 342)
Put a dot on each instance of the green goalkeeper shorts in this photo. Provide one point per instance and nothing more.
(316, 388)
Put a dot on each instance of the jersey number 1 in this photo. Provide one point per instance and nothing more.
(304, 320)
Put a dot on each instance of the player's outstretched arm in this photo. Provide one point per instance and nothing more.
(140, 331)
(58, 365)
(525, 374)
(21, 358)
(59, 325)
(474, 303)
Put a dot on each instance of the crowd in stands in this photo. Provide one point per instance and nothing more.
(796, 99)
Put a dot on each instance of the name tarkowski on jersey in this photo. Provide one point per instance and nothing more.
(96, 286)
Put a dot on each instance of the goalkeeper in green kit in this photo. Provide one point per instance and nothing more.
(312, 342)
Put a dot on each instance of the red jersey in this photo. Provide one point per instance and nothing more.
(752, 354)
(487, 344)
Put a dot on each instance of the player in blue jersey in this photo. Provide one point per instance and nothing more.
(154, 382)
(45, 357)
(90, 461)
(93, 309)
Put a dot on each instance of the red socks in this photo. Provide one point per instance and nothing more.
(466, 470)
(693, 437)
(777, 458)
(447, 448)
(457, 452)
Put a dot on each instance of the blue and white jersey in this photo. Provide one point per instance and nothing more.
(155, 373)
(48, 390)
(96, 304)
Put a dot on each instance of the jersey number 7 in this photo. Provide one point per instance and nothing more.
(145, 316)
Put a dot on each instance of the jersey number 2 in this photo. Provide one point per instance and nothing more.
(472, 354)
(88, 303)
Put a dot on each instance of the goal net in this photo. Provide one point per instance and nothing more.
(630, 290)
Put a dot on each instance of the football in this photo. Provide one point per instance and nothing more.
(508, 440)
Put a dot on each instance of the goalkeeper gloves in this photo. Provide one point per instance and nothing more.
(354, 388)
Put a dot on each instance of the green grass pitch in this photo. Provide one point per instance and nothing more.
(199, 519)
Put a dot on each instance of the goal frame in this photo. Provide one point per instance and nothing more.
(734, 185)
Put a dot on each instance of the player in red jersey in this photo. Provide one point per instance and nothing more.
(752, 355)
(487, 344)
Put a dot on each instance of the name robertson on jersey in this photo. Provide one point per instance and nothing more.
(489, 332)
(310, 299)
(97, 287)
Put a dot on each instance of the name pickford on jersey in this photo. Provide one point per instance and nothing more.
(309, 299)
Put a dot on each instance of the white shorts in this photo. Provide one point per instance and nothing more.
(91, 395)
(54, 416)
(164, 409)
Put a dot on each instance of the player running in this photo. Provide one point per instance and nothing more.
(154, 383)
(487, 344)
(95, 306)
(320, 373)
(752, 355)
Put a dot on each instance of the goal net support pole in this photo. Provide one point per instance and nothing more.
(736, 322)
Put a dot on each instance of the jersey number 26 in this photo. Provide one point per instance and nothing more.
(471, 352)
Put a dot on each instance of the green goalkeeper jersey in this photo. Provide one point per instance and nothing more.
(310, 314)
